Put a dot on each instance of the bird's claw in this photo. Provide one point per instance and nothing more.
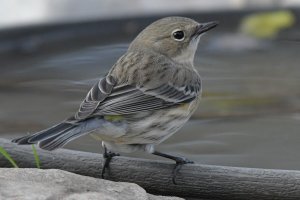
(107, 158)
(110, 154)
(179, 163)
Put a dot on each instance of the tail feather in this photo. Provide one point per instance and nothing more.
(22, 140)
(60, 140)
(60, 134)
(51, 132)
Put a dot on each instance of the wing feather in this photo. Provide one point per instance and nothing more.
(99, 92)
(139, 100)
(107, 97)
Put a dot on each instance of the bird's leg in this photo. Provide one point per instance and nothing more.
(107, 155)
(179, 162)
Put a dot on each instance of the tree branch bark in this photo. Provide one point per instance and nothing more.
(194, 180)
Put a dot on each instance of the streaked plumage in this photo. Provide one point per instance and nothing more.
(148, 94)
(158, 101)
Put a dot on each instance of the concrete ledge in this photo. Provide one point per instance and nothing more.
(38, 184)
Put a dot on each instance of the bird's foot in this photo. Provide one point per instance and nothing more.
(179, 163)
(107, 155)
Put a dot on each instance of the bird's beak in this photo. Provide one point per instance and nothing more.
(202, 28)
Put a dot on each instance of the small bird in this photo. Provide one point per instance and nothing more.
(148, 94)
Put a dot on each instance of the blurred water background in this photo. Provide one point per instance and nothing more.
(51, 53)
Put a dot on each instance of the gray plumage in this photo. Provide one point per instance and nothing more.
(149, 93)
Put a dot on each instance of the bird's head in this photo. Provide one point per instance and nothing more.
(175, 37)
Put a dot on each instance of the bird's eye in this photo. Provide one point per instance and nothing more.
(178, 35)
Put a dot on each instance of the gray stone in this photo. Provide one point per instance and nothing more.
(52, 184)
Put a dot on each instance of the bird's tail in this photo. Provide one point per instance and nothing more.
(58, 135)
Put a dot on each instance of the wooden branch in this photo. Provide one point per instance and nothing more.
(200, 181)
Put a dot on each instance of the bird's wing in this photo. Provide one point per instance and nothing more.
(122, 92)
(98, 93)
(130, 99)
(105, 99)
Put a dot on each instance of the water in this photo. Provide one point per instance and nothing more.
(249, 115)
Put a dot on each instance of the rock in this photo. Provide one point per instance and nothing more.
(38, 184)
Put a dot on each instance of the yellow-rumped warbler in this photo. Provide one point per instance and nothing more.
(148, 94)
